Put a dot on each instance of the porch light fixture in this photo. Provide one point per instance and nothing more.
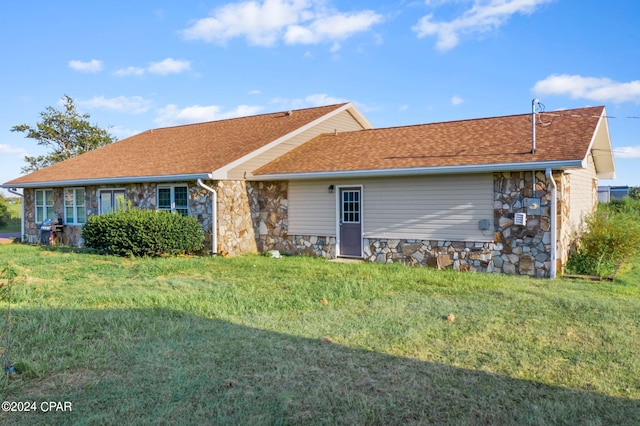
(331, 188)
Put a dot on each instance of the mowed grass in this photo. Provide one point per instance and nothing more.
(297, 340)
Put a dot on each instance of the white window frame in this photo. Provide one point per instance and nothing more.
(44, 206)
(113, 192)
(75, 206)
(173, 208)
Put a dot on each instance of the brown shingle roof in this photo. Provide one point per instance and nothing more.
(560, 136)
(189, 149)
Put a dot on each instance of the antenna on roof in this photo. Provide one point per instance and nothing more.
(533, 125)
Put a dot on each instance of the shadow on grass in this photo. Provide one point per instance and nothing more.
(163, 366)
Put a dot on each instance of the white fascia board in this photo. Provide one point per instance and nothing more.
(601, 144)
(112, 180)
(222, 172)
(607, 175)
(359, 117)
(479, 168)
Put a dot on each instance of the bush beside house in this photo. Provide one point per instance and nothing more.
(143, 233)
(612, 235)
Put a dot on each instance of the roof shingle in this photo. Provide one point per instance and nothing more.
(189, 149)
(562, 135)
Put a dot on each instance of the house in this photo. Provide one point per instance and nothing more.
(492, 194)
(195, 169)
(608, 193)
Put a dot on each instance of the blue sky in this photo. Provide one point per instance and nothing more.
(136, 65)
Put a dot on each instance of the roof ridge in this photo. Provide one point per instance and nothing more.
(243, 117)
(473, 119)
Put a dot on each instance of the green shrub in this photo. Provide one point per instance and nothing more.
(143, 233)
(611, 235)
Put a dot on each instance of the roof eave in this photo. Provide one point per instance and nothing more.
(474, 168)
(601, 150)
(109, 181)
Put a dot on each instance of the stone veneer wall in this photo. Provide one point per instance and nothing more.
(236, 233)
(269, 211)
(29, 199)
(144, 196)
(522, 250)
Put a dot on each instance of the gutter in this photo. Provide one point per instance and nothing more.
(106, 181)
(553, 220)
(22, 219)
(214, 216)
(476, 168)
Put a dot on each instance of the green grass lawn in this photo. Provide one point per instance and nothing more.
(256, 340)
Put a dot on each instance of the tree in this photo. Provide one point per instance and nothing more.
(66, 133)
(634, 192)
(4, 212)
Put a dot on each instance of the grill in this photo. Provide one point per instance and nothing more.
(51, 231)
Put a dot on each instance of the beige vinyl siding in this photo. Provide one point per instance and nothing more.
(416, 208)
(341, 122)
(312, 210)
(582, 193)
(429, 208)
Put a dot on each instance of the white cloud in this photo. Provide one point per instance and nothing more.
(484, 16)
(164, 67)
(171, 115)
(134, 104)
(292, 21)
(129, 71)
(456, 100)
(10, 150)
(169, 66)
(254, 92)
(315, 100)
(627, 152)
(339, 26)
(91, 66)
(598, 89)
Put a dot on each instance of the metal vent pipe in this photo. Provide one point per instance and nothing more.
(533, 125)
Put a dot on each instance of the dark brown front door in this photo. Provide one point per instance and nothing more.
(350, 222)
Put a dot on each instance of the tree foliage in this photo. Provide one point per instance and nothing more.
(4, 212)
(66, 133)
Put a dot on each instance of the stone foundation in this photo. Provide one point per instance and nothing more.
(460, 256)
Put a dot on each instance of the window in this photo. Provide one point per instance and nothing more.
(174, 199)
(351, 206)
(112, 200)
(44, 205)
(75, 211)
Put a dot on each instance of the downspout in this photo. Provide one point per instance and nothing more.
(14, 192)
(553, 220)
(214, 216)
